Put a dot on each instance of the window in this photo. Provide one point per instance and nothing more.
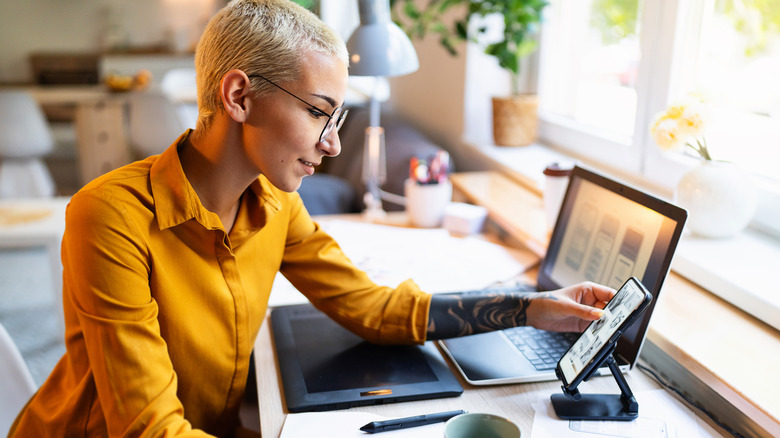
(733, 60)
(591, 64)
(608, 66)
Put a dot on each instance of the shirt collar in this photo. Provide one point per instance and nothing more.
(176, 201)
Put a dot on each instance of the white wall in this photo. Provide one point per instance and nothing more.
(90, 25)
(450, 96)
(433, 96)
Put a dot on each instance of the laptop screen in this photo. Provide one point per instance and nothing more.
(607, 232)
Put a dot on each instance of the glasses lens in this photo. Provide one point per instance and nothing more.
(326, 130)
(336, 120)
(340, 121)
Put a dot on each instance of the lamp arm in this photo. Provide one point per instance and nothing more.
(392, 197)
(374, 111)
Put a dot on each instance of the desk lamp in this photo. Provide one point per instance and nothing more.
(379, 48)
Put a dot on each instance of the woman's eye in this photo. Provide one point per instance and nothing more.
(315, 113)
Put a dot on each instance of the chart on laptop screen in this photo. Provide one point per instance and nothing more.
(609, 239)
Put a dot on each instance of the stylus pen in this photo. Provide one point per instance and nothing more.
(405, 423)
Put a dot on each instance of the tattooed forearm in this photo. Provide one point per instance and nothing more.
(461, 315)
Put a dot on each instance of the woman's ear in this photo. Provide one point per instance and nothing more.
(235, 91)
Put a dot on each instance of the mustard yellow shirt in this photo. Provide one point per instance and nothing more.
(162, 307)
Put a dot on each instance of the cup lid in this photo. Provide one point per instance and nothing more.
(555, 169)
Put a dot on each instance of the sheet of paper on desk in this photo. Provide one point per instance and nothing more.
(436, 261)
(660, 416)
(346, 425)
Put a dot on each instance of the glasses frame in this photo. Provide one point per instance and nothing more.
(335, 120)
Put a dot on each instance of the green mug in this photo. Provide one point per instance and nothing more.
(477, 425)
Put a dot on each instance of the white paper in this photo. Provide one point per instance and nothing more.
(435, 260)
(346, 425)
(660, 416)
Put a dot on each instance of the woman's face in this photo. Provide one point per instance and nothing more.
(282, 133)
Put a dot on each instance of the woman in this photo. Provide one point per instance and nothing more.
(168, 262)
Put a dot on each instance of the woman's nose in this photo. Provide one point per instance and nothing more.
(331, 146)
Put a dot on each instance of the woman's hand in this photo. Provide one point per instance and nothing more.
(569, 309)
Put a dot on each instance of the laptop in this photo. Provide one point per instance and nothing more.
(606, 232)
(325, 367)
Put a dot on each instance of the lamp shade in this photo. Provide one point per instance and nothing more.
(378, 47)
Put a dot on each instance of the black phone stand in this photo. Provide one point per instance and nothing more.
(571, 405)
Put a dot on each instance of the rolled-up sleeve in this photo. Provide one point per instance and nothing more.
(315, 264)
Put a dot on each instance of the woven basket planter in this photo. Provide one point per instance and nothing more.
(515, 120)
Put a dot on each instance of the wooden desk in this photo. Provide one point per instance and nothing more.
(511, 401)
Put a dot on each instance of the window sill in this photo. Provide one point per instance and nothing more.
(698, 340)
(737, 269)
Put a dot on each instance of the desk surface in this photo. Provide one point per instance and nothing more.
(511, 401)
(34, 220)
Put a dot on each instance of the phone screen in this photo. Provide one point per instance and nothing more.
(627, 300)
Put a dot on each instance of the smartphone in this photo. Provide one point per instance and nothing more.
(587, 353)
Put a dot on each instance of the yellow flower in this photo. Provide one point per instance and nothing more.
(675, 111)
(691, 122)
(666, 133)
(682, 124)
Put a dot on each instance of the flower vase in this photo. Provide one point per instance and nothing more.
(720, 199)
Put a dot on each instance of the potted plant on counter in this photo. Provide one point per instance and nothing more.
(515, 119)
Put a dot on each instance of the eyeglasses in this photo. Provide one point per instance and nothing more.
(335, 120)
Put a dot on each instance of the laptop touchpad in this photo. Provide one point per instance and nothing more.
(487, 356)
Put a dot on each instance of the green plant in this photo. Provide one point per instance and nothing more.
(521, 24)
(614, 19)
(312, 5)
(757, 20)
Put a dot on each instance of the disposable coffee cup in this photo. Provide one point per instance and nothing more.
(477, 425)
(426, 203)
(555, 183)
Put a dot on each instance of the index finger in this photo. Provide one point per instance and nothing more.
(602, 293)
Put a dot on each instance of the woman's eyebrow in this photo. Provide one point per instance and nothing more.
(328, 99)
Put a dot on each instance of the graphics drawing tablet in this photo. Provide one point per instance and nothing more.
(326, 367)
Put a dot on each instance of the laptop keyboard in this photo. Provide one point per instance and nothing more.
(542, 348)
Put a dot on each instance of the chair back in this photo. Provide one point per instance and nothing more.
(17, 382)
(154, 123)
(179, 84)
(24, 131)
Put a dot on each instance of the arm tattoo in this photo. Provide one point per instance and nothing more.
(460, 315)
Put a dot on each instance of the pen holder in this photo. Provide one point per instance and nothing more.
(425, 203)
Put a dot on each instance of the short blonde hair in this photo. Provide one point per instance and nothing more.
(259, 37)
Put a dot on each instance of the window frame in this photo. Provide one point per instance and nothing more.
(662, 49)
